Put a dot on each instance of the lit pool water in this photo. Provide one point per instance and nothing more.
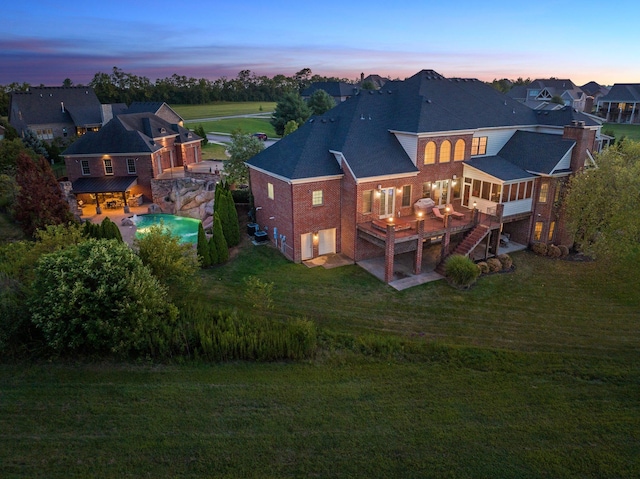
(185, 228)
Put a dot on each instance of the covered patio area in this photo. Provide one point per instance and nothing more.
(109, 193)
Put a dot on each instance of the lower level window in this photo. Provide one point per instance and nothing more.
(537, 232)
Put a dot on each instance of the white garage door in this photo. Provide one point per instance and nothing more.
(327, 241)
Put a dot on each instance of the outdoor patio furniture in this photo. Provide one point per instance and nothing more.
(437, 213)
(455, 213)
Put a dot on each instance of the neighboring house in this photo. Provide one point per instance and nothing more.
(539, 94)
(376, 80)
(340, 91)
(347, 181)
(55, 112)
(119, 161)
(594, 92)
(621, 104)
(158, 108)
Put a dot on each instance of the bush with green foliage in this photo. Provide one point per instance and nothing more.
(221, 336)
(320, 102)
(258, 293)
(494, 265)
(243, 146)
(539, 248)
(97, 297)
(460, 270)
(290, 127)
(199, 130)
(505, 260)
(174, 264)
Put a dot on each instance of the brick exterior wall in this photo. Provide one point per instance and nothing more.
(146, 165)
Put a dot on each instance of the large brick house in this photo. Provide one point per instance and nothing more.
(55, 112)
(119, 161)
(348, 181)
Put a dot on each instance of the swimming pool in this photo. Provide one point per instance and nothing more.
(185, 228)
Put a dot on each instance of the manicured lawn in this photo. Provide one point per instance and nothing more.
(213, 151)
(631, 132)
(530, 374)
(247, 125)
(217, 109)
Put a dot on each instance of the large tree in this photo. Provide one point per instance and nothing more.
(320, 101)
(602, 204)
(39, 201)
(243, 146)
(291, 107)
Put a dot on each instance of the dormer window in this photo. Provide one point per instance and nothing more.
(163, 130)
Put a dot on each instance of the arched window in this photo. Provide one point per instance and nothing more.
(430, 153)
(445, 152)
(458, 152)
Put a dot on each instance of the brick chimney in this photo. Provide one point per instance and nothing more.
(585, 139)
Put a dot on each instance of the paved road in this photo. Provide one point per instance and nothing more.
(225, 139)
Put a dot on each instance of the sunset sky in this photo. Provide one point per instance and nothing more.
(44, 42)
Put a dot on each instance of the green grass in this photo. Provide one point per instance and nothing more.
(247, 125)
(531, 374)
(218, 109)
(213, 151)
(631, 132)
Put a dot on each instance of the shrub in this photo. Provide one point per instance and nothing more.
(505, 260)
(494, 265)
(564, 251)
(539, 248)
(241, 196)
(203, 247)
(553, 251)
(98, 297)
(258, 293)
(461, 271)
(483, 267)
(223, 336)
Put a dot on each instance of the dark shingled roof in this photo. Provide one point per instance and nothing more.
(41, 105)
(103, 184)
(623, 92)
(500, 168)
(360, 127)
(535, 152)
(135, 133)
(333, 88)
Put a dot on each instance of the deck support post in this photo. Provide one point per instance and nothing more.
(417, 265)
(389, 251)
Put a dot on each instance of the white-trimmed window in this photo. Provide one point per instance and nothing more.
(367, 201)
(544, 192)
(270, 190)
(479, 145)
(406, 195)
(317, 198)
(131, 166)
(458, 152)
(108, 166)
(430, 153)
(445, 152)
(84, 164)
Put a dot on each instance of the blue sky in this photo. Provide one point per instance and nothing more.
(44, 42)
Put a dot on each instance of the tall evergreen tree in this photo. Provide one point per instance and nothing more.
(291, 107)
(320, 101)
(233, 225)
(203, 247)
(218, 237)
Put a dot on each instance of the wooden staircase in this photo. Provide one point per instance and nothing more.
(466, 246)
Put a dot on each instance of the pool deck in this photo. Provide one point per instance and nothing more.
(116, 215)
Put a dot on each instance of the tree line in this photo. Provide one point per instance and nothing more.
(119, 86)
